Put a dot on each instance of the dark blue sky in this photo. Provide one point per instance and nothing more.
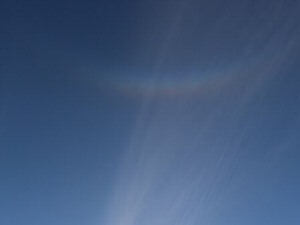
(149, 112)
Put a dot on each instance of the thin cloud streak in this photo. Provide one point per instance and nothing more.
(184, 162)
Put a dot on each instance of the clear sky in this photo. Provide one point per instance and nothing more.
(143, 112)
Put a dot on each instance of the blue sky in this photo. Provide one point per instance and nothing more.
(149, 112)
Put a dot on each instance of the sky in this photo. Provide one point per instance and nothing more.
(149, 112)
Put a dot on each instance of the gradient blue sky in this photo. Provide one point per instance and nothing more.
(149, 112)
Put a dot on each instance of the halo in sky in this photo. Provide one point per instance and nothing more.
(170, 83)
